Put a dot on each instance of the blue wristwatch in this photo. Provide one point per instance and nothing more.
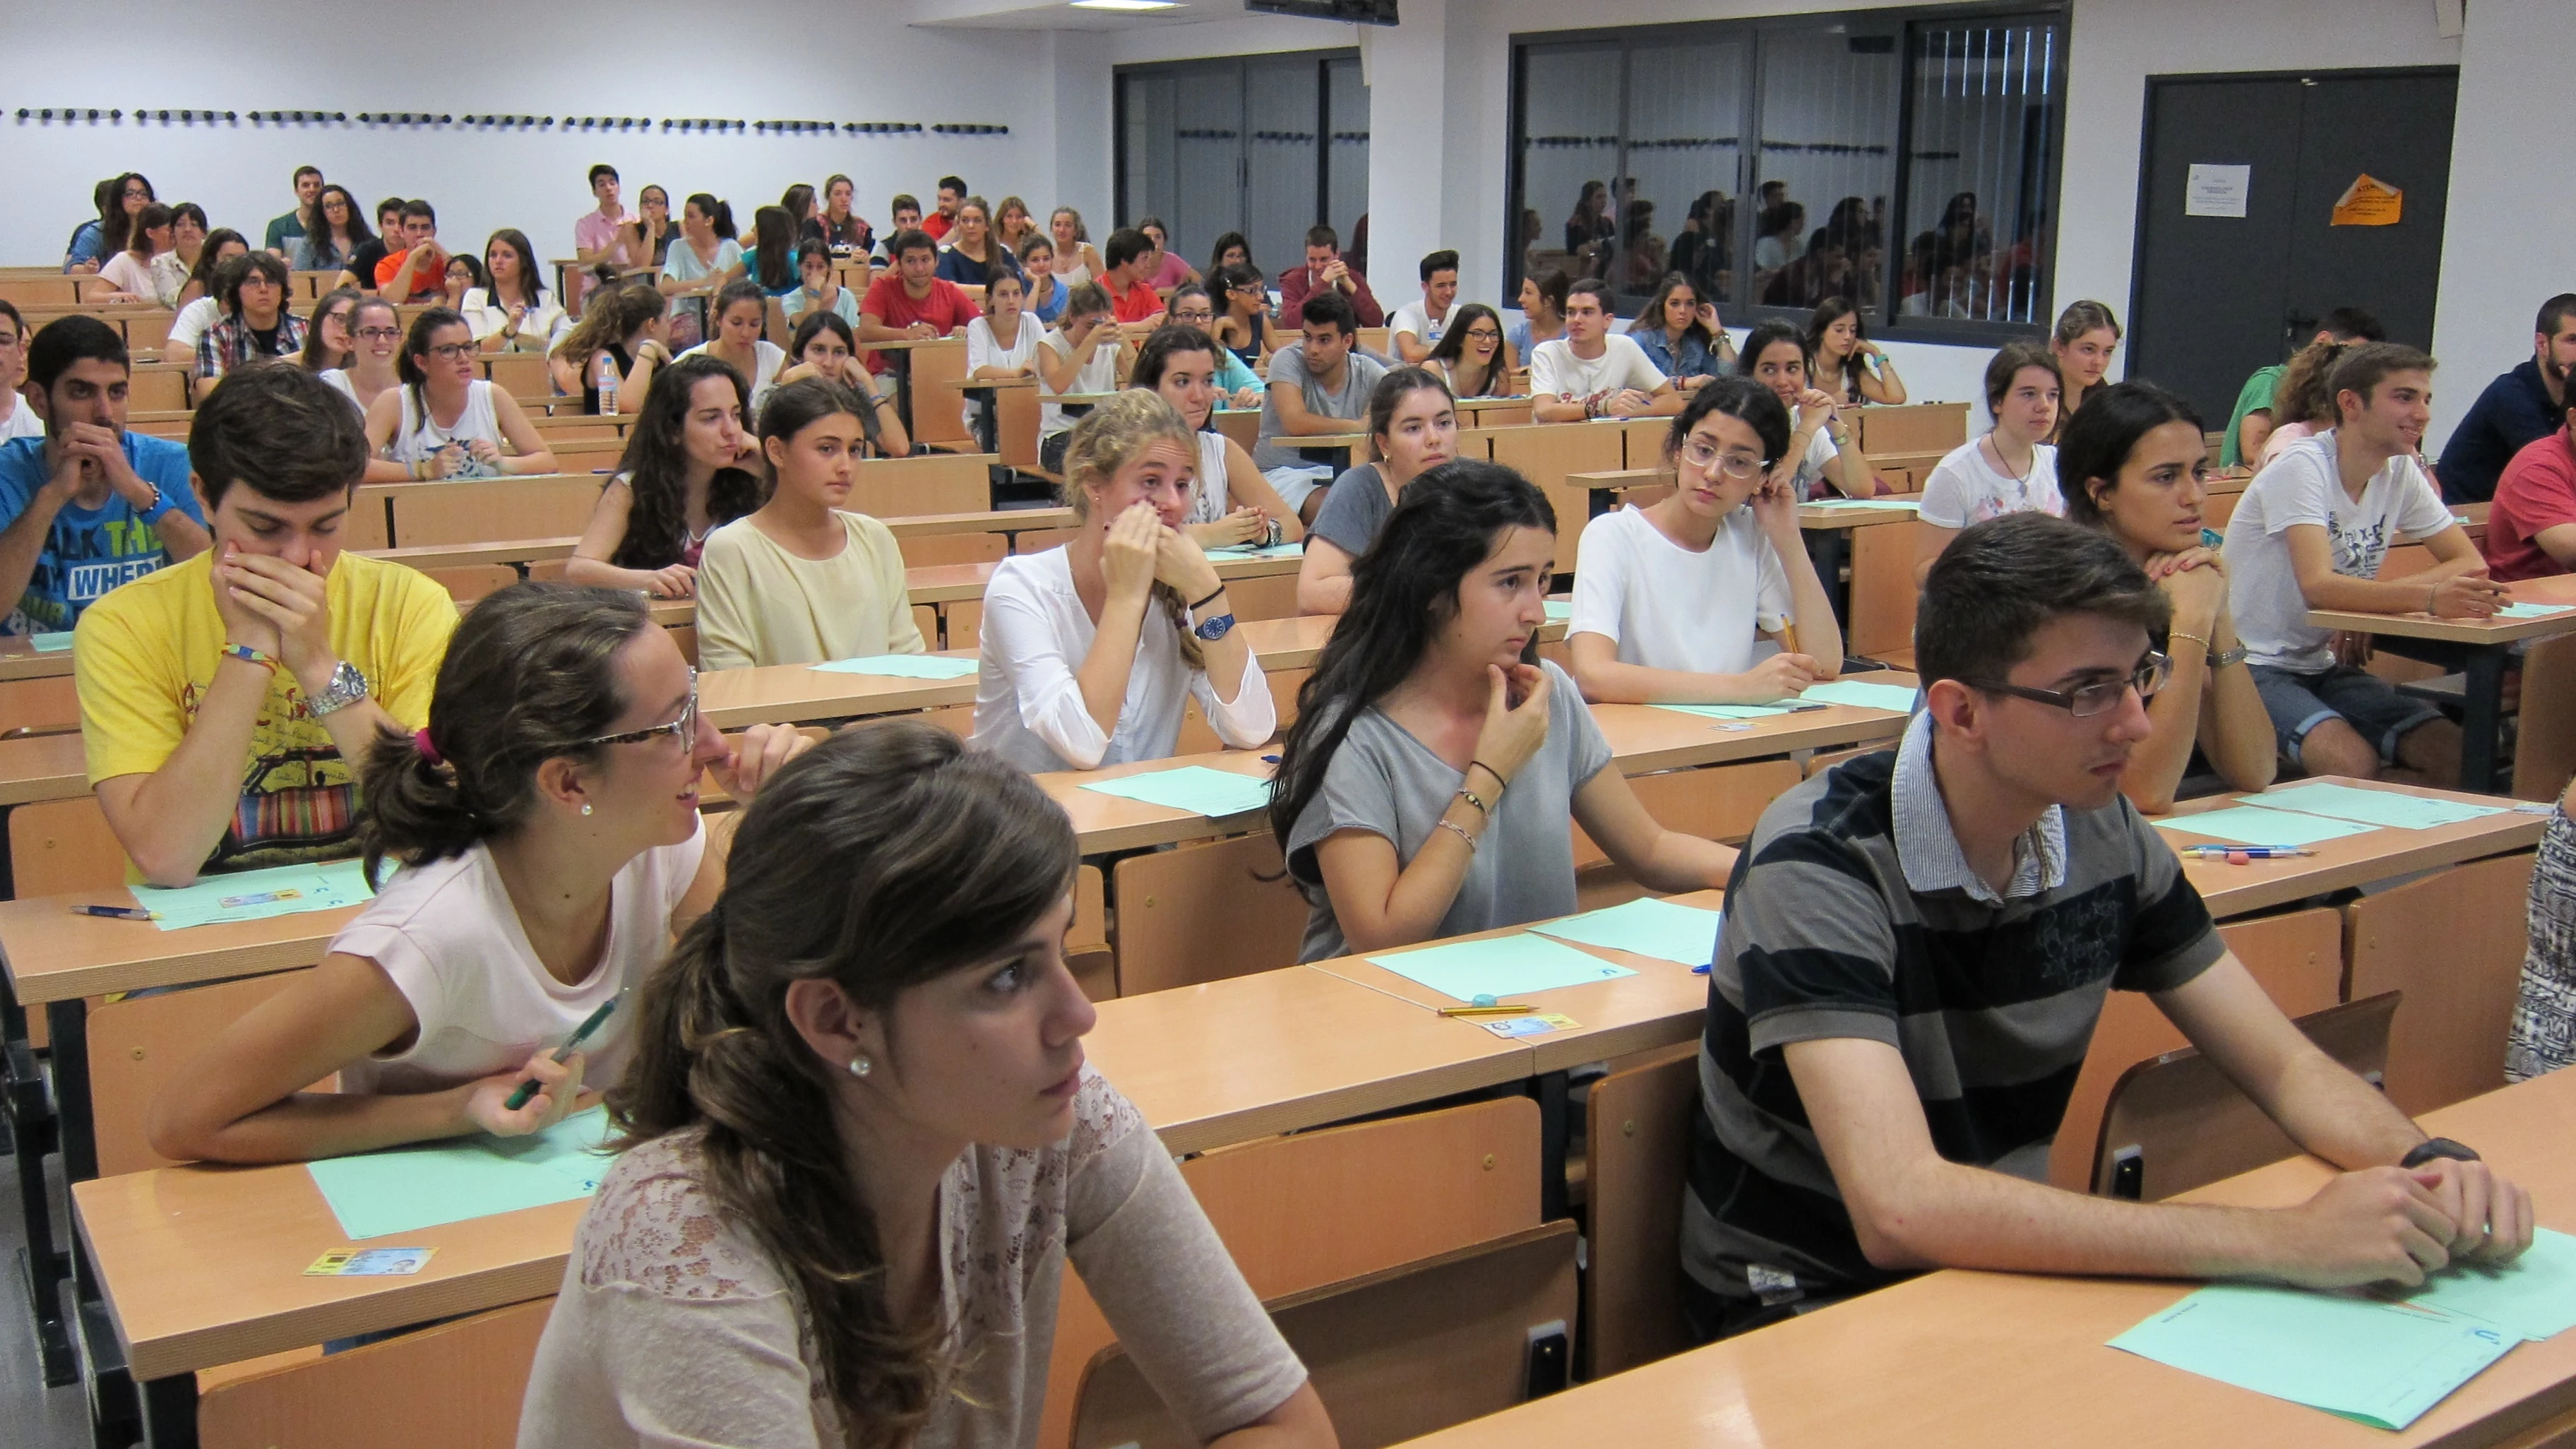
(1214, 629)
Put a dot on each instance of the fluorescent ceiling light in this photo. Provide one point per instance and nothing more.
(1126, 4)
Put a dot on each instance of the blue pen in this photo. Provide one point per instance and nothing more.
(2250, 852)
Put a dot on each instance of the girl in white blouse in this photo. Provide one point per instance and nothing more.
(1090, 647)
(445, 421)
(547, 824)
(512, 311)
(861, 1144)
(1003, 343)
(1230, 502)
(2009, 470)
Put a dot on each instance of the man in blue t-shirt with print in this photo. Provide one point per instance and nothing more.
(88, 506)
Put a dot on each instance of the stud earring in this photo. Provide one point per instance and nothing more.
(860, 1066)
(585, 810)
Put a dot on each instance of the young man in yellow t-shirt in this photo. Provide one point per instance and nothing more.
(223, 699)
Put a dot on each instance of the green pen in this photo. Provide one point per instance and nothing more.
(580, 1034)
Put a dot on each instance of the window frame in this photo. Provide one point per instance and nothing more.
(1905, 21)
(1234, 65)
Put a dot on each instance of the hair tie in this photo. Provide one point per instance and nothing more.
(428, 751)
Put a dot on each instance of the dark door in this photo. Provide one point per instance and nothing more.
(2216, 296)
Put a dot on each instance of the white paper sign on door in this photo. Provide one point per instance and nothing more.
(2216, 190)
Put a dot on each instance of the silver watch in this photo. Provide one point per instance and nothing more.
(346, 688)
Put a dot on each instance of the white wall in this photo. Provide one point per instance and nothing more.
(841, 60)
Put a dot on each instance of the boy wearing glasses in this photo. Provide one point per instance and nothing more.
(1916, 947)
(84, 505)
(222, 699)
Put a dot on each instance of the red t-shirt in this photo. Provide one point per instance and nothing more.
(1138, 303)
(2537, 490)
(947, 308)
(937, 226)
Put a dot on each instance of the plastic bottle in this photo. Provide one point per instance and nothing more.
(607, 384)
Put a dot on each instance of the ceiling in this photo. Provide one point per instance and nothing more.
(1059, 15)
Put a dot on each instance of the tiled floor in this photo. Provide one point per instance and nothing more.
(37, 1417)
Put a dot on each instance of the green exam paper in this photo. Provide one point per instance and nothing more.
(1726, 711)
(406, 1189)
(2371, 807)
(2381, 1364)
(256, 895)
(1648, 927)
(1895, 697)
(903, 666)
(1500, 967)
(2253, 825)
(1195, 788)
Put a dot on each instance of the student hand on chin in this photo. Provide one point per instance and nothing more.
(756, 756)
(1515, 718)
(1131, 552)
(558, 1093)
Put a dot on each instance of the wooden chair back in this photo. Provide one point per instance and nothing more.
(1393, 1356)
(1911, 428)
(41, 291)
(1204, 911)
(467, 583)
(1545, 453)
(139, 1043)
(2177, 1122)
(935, 483)
(2296, 956)
(1335, 1205)
(1241, 425)
(523, 375)
(587, 457)
(2453, 942)
(1717, 802)
(480, 510)
(60, 846)
(453, 1386)
(42, 706)
(1883, 593)
(1086, 946)
(2544, 748)
(148, 331)
(157, 387)
(1637, 1154)
(938, 397)
(931, 550)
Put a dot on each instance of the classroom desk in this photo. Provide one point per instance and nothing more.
(2257, 885)
(1827, 528)
(20, 659)
(35, 768)
(1962, 1358)
(953, 583)
(986, 394)
(2486, 644)
(899, 352)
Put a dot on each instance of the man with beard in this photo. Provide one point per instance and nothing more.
(2516, 409)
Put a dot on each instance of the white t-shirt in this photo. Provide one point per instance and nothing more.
(128, 273)
(1100, 374)
(22, 421)
(1028, 704)
(192, 322)
(767, 358)
(2302, 486)
(1207, 490)
(419, 436)
(448, 937)
(489, 320)
(985, 350)
(1667, 607)
(1811, 468)
(1415, 317)
(1622, 364)
(1967, 488)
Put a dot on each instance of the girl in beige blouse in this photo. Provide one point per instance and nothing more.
(801, 581)
(862, 1145)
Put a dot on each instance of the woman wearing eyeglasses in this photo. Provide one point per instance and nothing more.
(2123, 467)
(375, 330)
(1676, 603)
(447, 422)
(547, 825)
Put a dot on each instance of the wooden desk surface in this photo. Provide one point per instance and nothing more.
(1007, 520)
(466, 555)
(203, 1266)
(2559, 590)
(1827, 516)
(954, 583)
(910, 344)
(994, 384)
(54, 955)
(1976, 1359)
(2235, 890)
(42, 767)
(19, 659)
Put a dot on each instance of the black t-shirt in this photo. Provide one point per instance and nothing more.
(265, 339)
(362, 263)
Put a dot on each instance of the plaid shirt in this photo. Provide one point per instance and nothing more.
(230, 343)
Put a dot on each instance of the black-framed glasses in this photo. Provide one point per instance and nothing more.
(2090, 699)
(453, 351)
(684, 729)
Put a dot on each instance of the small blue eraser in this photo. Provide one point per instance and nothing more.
(1482, 999)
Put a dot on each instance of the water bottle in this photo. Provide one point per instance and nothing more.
(607, 384)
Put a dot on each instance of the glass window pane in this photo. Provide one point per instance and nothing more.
(1200, 198)
(1280, 111)
(1569, 157)
(1827, 166)
(1346, 180)
(1685, 150)
(1978, 204)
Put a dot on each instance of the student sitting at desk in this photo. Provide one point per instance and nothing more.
(740, 314)
(1236, 385)
(1822, 455)
(446, 421)
(85, 505)
(1424, 789)
(1592, 373)
(1472, 356)
(1319, 385)
(823, 346)
(222, 698)
(1922, 939)
(1080, 356)
(2134, 457)
(821, 290)
(683, 476)
(2009, 470)
(2310, 533)
(1675, 601)
(1230, 502)
(862, 1144)
(1002, 344)
(1413, 429)
(1090, 647)
(803, 580)
(547, 824)
(2531, 528)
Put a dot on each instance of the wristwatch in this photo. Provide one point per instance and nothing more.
(2219, 661)
(1214, 629)
(346, 688)
(2432, 1147)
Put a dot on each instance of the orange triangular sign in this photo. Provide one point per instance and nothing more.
(2369, 201)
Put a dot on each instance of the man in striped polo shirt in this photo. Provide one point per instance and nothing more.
(1916, 948)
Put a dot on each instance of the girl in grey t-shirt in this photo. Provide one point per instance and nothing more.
(1425, 789)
